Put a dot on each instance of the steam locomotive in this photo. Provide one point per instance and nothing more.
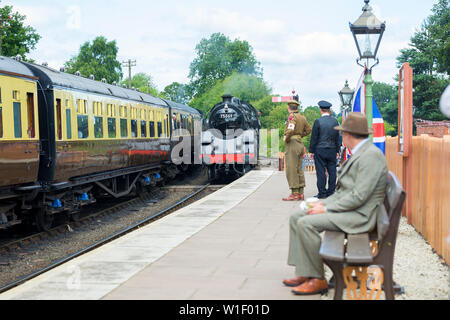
(66, 140)
(230, 143)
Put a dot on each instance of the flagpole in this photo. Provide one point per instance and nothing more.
(368, 81)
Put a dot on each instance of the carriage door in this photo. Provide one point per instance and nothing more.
(58, 120)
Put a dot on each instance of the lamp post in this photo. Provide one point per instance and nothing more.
(346, 95)
(367, 32)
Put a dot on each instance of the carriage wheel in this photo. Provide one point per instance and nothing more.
(43, 220)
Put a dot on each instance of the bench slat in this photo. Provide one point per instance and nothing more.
(358, 248)
(332, 247)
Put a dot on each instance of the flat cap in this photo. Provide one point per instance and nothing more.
(293, 102)
(324, 104)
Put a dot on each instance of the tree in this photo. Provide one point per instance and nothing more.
(430, 45)
(99, 59)
(16, 38)
(386, 98)
(429, 56)
(217, 58)
(311, 114)
(246, 87)
(176, 92)
(143, 82)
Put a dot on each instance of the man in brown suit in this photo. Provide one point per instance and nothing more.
(353, 208)
(295, 129)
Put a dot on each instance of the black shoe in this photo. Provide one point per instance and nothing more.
(320, 196)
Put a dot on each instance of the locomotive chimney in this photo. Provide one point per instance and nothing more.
(227, 98)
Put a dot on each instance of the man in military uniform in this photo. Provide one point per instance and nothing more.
(325, 146)
(353, 208)
(295, 129)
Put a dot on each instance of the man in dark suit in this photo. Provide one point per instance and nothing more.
(325, 145)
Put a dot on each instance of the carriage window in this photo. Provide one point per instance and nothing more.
(69, 124)
(123, 128)
(58, 120)
(30, 107)
(143, 129)
(98, 127)
(111, 127)
(17, 120)
(83, 128)
(152, 129)
(16, 95)
(0, 95)
(159, 129)
(133, 128)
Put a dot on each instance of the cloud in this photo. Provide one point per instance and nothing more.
(231, 22)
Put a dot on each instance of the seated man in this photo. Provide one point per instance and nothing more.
(352, 208)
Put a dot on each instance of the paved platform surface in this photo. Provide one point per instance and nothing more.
(231, 244)
(241, 255)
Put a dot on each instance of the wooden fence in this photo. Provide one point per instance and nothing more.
(430, 189)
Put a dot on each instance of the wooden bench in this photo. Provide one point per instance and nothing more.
(363, 257)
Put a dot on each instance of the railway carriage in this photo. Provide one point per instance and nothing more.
(19, 136)
(186, 123)
(69, 139)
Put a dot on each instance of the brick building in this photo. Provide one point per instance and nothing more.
(434, 128)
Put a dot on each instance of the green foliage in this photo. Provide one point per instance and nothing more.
(389, 129)
(429, 56)
(143, 82)
(311, 114)
(176, 92)
(99, 59)
(217, 58)
(427, 93)
(246, 87)
(17, 39)
(265, 106)
(430, 45)
(386, 98)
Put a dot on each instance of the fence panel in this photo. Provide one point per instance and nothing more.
(430, 190)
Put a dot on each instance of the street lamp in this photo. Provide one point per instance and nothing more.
(367, 32)
(346, 95)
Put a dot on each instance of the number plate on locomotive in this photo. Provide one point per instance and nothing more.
(226, 115)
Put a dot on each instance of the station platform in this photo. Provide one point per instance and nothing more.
(230, 245)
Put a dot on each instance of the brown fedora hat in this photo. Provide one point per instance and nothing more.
(356, 123)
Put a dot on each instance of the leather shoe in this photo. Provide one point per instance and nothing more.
(312, 286)
(295, 281)
(294, 197)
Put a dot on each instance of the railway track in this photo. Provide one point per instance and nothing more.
(133, 204)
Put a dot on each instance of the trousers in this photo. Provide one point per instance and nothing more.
(293, 163)
(305, 241)
(325, 159)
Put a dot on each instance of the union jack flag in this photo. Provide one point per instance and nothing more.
(359, 105)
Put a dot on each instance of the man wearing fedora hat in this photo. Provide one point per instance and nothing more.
(353, 208)
(295, 129)
(325, 145)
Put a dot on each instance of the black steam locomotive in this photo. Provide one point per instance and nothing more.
(230, 143)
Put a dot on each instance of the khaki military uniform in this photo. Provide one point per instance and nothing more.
(295, 129)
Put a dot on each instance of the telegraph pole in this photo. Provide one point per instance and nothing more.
(128, 64)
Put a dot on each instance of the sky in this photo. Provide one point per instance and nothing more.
(301, 44)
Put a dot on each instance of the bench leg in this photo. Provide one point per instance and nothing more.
(339, 283)
(388, 283)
